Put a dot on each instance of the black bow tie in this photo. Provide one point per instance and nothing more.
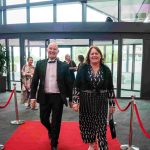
(52, 61)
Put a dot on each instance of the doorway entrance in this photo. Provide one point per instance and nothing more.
(122, 56)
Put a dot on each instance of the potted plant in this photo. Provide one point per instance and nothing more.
(3, 60)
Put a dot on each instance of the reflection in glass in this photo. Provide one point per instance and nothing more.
(98, 10)
(135, 11)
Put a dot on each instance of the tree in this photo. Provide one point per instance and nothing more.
(3, 59)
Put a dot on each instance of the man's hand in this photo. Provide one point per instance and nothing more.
(33, 103)
(75, 107)
(112, 109)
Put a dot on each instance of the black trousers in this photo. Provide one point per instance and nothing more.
(51, 115)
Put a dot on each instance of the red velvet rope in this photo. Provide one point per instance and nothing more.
(122, 109)
(8, 101)
(140, 122)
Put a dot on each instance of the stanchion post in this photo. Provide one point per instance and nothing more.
(17, 121)
(1, 147)
(130, 146)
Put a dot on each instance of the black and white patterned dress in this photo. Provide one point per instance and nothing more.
(93, 109)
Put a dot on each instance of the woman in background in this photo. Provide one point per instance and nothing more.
(27, 74)
(72, 66)
(81, 61)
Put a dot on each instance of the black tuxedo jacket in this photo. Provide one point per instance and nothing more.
(64, 81)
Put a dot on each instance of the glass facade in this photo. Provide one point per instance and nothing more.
(135, 11)
(69, 13)
(14, 58)
(33, 1)
(109, 50)
(46, 10)
(132, 51)
(131, 66)
(102, 9)
(15, 16)
(77, 11)
(14, 2)
(122, 54)
(95, 16)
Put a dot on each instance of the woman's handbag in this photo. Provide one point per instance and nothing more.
(112, 127)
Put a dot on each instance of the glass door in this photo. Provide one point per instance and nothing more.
(109, 50)
(73, 47)
(35, 49)
(132, 50)
(14, 59)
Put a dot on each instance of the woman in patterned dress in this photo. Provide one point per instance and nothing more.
(27, 74)
(92, 90)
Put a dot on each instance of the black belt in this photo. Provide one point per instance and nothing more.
(94, 91)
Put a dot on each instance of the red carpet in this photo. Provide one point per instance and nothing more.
(33, 136)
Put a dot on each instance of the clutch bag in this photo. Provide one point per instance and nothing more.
(112, 127)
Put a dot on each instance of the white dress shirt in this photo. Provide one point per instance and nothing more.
(51, 85)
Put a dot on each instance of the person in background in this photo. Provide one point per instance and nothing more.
(72, 66)
(109, 19)
(81, 61)
(92, 90)
(55, 85)
(27, 74)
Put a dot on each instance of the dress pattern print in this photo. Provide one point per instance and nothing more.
(93, 110)
(95, 78)
(26, 82)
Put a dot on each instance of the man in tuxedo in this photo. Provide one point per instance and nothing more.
(53, 81)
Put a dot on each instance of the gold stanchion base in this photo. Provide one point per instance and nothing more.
(17, 122)
(1, 147)
(127, 147)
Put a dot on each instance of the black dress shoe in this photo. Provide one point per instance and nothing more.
(54, 148)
